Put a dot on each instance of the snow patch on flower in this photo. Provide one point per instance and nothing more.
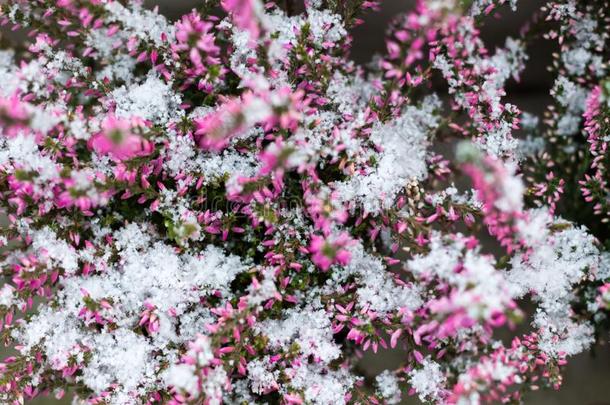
(428, 380)
(309, 329)
(388, 388)
(153, 100)
(405, 160)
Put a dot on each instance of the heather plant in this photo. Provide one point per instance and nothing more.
(226, 209)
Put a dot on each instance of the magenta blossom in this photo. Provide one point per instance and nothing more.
(244, 15)
(331, 250)
(118, 140)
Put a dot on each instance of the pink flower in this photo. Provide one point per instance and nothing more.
(214, 130)
(499, 189)
(603, 299)
(237, 115)
(328, 251)
(196, 46)
(118, 141)
(13, 116)
(149, 318)
(244, 15)
(287, 106)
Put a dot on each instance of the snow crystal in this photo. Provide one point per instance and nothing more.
(57, 251)
(7, 295)
(573, 98)
(121, 357)
(321, 386)
(153, 100)
(559, 335)
(388, 388)
(23, 152)
(8, 72)
(555, 264)
(378, 291)
(428, 381)
(183, 377)
(403, 159)
(184, 156)
(144, 24)
(261, 376)
(481, 289)
(311, 330)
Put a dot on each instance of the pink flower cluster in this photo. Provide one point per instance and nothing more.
(226, 208)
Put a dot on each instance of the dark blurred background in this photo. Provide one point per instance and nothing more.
(587, 377)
